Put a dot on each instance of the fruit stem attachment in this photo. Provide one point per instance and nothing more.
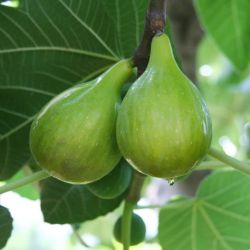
(155, 22)
(38, 176)
(130, 202)
(230, 161)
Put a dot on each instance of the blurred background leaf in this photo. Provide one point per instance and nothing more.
(227, 94)
(227, 22)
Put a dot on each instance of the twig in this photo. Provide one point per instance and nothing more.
(154, 23)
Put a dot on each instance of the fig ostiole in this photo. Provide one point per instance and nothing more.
(163, 126)
(73, 137)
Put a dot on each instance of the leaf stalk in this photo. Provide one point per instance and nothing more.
(38, 176)
(230, 161)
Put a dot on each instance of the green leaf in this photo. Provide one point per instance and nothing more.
(5, 226)
(48, 46)
(227, 21)
(218, 218)
(65, 203)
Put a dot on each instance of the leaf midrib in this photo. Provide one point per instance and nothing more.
(59, 49)
(20, 126)
(99, 39)
(214, 229)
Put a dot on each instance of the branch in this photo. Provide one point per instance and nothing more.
(154, 23)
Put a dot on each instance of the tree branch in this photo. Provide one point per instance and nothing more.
(154, 23)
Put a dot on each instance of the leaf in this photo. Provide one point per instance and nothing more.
(65, 203)
(227, 21)
(48, 46)
(5, 226)
(217, 219)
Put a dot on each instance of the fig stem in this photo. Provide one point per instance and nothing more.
(40, 175)
(126, 223)
(155, 22)
(230, 161)
(130, 202)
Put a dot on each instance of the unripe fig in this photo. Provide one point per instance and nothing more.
(163, 126)
(137, 232)
(73, 137)
(113, 184)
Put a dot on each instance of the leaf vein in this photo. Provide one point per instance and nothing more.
(90, 30)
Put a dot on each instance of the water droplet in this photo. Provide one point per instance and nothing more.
(171, 182)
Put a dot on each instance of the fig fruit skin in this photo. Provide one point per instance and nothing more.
(114, 183)
(163, 126)
(73, 137)
(137, 232)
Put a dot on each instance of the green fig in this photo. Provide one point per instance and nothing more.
(73, 137)
(113, 184)
(137, 232)
(163, 126)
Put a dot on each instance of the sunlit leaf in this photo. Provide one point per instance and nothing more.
(227, 21)
(218, 218)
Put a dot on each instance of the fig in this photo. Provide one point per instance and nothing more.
(113, 184)
(163, 126)
(73, 137)
(137, 232)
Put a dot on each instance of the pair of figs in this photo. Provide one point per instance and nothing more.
(162, 127)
